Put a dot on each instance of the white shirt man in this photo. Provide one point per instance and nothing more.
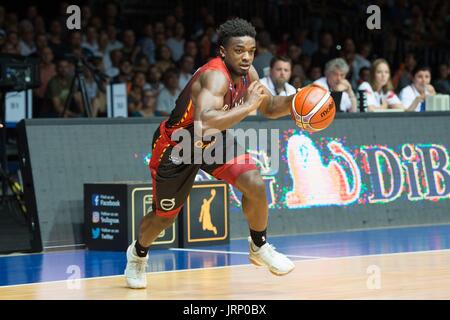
(286, 90)
(277, 80)
(346, 103)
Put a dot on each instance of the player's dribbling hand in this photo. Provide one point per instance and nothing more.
(255, 95)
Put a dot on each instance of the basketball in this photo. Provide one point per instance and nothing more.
(313, 108)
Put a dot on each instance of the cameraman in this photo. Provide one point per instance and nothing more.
(58, 90)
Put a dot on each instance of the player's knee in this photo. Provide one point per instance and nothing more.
(253, 186)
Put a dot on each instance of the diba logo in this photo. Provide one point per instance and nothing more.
(422, 171)
(95, 233)
(95, 200)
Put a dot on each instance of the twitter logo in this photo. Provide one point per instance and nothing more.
(95, 233)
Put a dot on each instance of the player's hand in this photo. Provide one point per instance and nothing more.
(255, 95)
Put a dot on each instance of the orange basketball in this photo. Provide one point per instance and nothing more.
(313, 108)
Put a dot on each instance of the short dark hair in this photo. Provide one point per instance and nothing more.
(236, 27)
(263, 39)
(168, 73)
(419, 68)
(275, 59)
(362, 70)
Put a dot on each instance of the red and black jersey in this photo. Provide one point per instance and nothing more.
(182, 115)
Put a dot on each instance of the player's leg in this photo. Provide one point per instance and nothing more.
(171, 186)
(242, 173)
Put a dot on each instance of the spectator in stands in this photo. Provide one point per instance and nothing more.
(12, 21)
(403, 76)
(41, 42)
(335, 81)
(314, 74)
(277, 82)
(379, 90)
(91, 41)
(137, 104)
(26, 43)
(297, 82)
(159, 28)
(361, 61)
(299, 74)
(186, 70)
(191, 49)
(55, 39)
(326, 51)
(169, 24)
(113, 16)
(58, 90)
(125, 73)
(442, 84)
(47, 70)
(413, 96)
(263, 54)
(154, 79)
(131, 51)
(164, 58)
(102, 51)
(147, 44)
(176, 43)
(169, 94)
(116, 57)
(294, 53)
(305, 62)
(75, 48)
(39, 25)
(12, 39)
(301, 39)
(348, 53)
(2, 38)
(364, 74)
(96, 98)
(9, 48)
(113, 43)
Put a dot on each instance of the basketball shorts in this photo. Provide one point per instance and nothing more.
(172, 179)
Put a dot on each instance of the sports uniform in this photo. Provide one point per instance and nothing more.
(172, 178)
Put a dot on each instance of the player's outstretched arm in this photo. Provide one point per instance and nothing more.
(272, 107)
(208, 97)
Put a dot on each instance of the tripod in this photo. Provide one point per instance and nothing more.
(80, 81)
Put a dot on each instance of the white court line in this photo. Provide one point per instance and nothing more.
(239, 252)
(232, 266)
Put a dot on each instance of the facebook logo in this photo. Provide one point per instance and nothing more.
(95, 199)
(95, 233)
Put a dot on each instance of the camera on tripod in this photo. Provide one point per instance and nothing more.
(18, 73)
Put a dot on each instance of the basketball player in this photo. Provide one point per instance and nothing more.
(220, 94)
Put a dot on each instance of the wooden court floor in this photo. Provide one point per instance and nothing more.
(414, 275)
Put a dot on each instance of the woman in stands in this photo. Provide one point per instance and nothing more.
(379, 90)
(413, 96)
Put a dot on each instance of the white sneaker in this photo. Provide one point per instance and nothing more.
(135, 270)
(267, 256)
